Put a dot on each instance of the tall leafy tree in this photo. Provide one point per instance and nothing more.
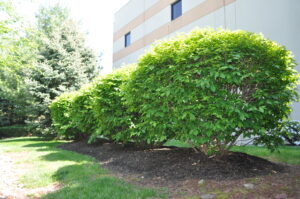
(64, 62)
(16, 56)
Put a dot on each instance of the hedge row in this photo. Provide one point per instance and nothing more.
(14, 131)
(205, 88)
(96, 110)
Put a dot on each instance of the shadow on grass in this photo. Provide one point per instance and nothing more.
(44, 146)
(85, 181)
(56, 154)
(23, 139)
(66, 156)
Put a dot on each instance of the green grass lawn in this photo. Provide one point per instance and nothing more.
(81, 176)
(285, 154)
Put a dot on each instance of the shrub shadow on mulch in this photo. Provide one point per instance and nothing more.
(175, 164)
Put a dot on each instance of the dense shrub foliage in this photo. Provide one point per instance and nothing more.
(209, 87)
(81, 113)
(113, 119)
(72, 114)
(97, 110)
(61, 115)
(205, 88)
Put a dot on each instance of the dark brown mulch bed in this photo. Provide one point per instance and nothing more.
(175, 164)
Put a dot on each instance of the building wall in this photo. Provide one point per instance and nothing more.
(150, 20)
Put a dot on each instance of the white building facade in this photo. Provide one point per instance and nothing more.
(141, 22)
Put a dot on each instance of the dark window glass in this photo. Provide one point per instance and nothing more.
(127, 39)
(176, 9)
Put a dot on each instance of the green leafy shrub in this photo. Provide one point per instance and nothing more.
(96, 109)
(60, 109)
(72, 114)
(81, 114)
(208, 87)
(113, 119)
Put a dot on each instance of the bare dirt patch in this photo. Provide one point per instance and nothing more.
(180, 170)
(10, 187)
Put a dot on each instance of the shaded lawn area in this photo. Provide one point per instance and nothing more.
(79, 176)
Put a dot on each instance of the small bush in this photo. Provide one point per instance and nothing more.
(113, 119)
(209, 87)
(60, 109)
(81, 113)
(96, 110)
(72, 115)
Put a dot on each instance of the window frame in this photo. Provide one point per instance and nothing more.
(127, 39)
(173, 10)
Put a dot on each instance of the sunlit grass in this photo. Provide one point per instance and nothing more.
(285, 154)
(81, 176)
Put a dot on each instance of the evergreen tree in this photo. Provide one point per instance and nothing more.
(64, 62)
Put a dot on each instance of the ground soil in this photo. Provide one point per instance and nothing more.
(10, 173)
(181, 169)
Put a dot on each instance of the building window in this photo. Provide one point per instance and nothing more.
(176, 9)
(127, 39)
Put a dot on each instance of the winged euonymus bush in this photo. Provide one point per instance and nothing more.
(96, 110)
(60, 114)
(206, 88)
(113, 118)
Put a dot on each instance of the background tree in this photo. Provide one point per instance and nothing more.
(64, 62)
(16, 56)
